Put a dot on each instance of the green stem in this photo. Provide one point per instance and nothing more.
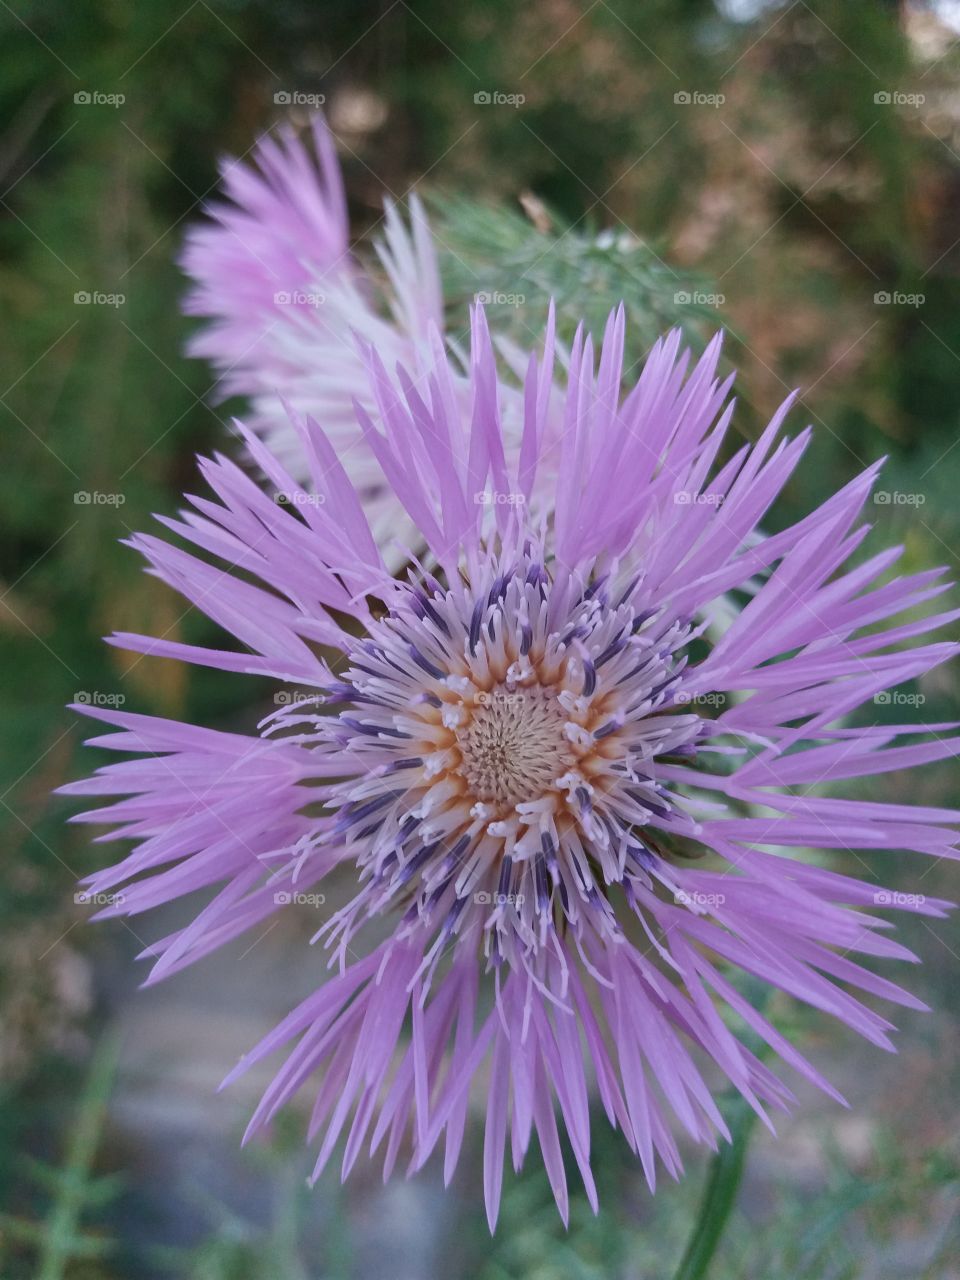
(719, 1196)
(61, 1238)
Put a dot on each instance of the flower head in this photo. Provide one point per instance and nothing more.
(286, 300)
(516, 754)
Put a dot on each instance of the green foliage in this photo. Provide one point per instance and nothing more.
(839, 1230)
(719, 1196)
(59, 1239)
(516, 267)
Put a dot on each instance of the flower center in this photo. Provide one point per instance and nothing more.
(501, 747)
(512, 745)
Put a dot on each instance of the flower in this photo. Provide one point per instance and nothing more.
(514, 755)
(288, 304)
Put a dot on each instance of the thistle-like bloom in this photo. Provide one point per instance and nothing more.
(287, 301)
(513, 757)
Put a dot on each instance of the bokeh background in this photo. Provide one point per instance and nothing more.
(791, 170)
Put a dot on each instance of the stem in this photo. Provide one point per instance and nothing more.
(719, 1196)
(61, 1237)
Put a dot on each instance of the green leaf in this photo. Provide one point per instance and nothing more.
(719, 1195)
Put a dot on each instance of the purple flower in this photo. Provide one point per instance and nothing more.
(515, 751)
(274, 275)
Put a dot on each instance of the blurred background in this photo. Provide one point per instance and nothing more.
(790, 170)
